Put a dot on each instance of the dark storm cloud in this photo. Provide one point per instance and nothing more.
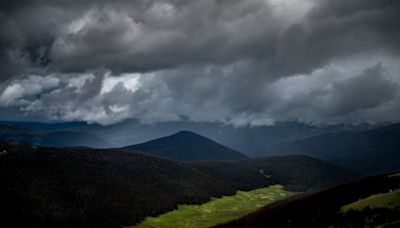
(337, 29)
(133, 35)
(349, 97)
(149, 35)
(235, 62)
(364, 91)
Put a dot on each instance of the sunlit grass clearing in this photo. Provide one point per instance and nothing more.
(218, 210)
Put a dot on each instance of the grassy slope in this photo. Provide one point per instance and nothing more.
(322, 209)
(389, 199)
(218, 210)
(377, 210)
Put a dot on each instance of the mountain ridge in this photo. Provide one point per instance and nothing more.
(52, 138)
(374, 151)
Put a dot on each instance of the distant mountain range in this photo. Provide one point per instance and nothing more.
(252, 141)
(374, 151)
(50, 137)
(187, 146)
(83, 187)
(363, 147)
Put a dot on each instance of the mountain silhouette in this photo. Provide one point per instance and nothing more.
(186, 146)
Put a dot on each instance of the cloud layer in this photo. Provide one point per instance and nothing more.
(247, 62)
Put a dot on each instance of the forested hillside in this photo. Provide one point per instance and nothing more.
(69, 187)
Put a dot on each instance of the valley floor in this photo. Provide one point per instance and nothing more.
(218, 210)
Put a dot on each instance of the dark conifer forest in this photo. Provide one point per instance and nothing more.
(93, 188)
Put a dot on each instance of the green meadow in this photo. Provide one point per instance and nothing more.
(218, 210)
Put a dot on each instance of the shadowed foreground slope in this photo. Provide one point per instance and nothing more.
(70, 187)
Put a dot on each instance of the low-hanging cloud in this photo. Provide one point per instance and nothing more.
(247, 62)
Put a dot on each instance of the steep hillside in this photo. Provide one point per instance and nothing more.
(59, 138)
(326, 208)
(374, 151)
(186, 146)
(70, 187)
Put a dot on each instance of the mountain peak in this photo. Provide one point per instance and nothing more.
(189, 134)
(184, 132)
(187, 145)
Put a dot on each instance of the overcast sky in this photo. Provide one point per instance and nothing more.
(242, 62)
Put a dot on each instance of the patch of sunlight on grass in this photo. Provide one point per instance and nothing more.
(218, 210)
(389, 200)
(395, 175)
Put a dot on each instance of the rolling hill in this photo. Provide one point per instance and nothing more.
(340, 206)
(82, 187)
(373, 151)
(295, 172)
(186, 146)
